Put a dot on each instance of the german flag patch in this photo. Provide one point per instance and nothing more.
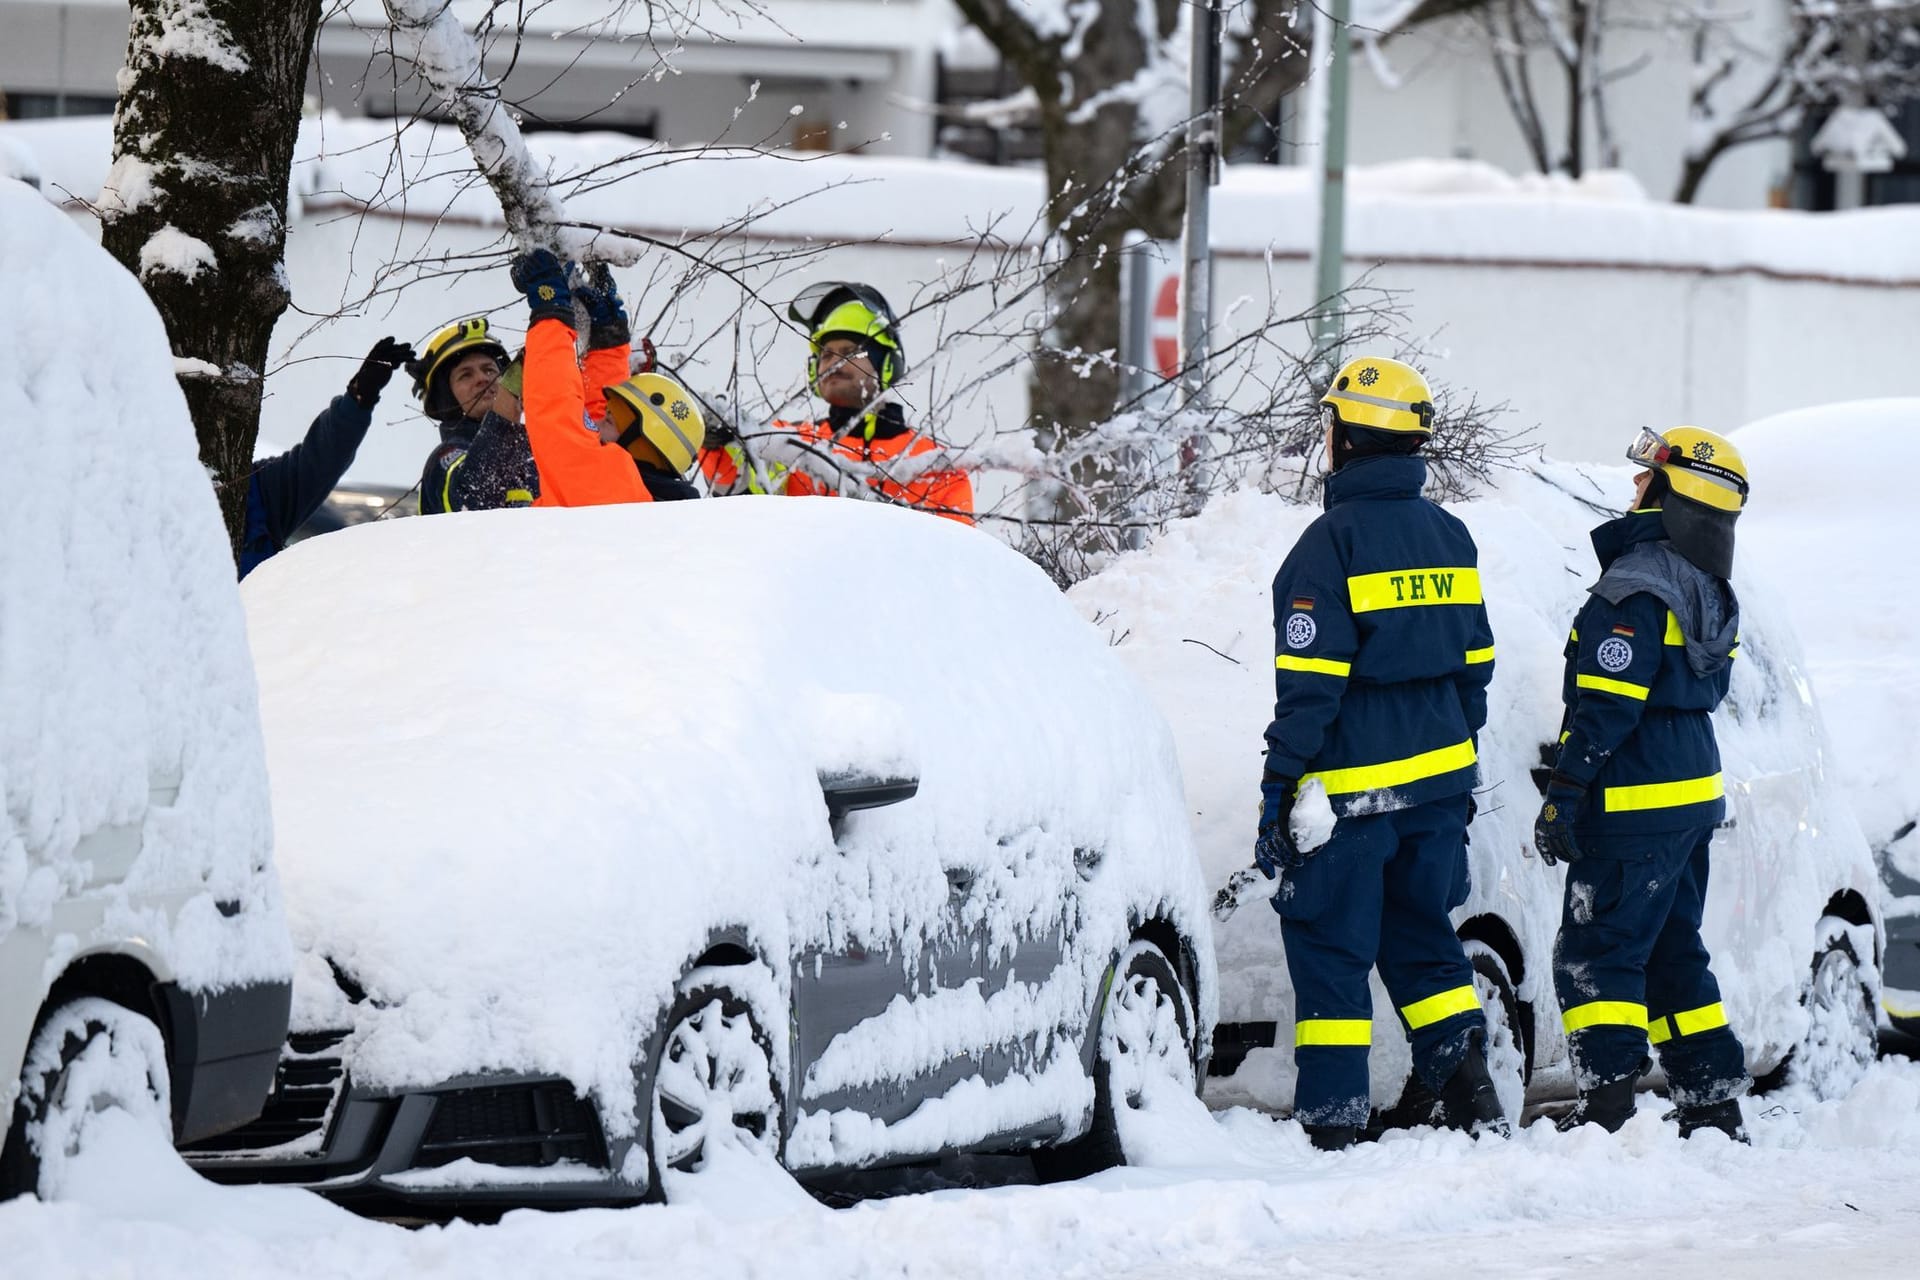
(1304, 603)
(1622, 629)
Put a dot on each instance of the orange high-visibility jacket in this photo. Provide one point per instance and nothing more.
(947, 491)
(576, 470)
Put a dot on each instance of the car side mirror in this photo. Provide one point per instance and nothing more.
(846, 792)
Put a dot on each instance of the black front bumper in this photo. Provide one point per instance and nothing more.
(222, 1048)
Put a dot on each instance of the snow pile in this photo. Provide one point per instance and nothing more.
(1192, 617)
(124, 673)
(527, 764)
(1827, 1189)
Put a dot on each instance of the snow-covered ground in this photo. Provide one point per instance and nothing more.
(1826, 1189)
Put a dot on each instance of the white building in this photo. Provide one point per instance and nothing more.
(866, 75)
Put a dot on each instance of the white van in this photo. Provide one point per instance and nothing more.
(144, 960)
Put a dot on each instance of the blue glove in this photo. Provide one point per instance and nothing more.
(1553, 829)
(543, 278)
(1274, 848)
(606, 314)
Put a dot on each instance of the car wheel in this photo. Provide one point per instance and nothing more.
(87, 1057)
(712, 1085)
(1507, 1058)
(1145, 1044)
(1842, 1022)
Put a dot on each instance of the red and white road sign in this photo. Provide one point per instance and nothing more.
(1164, 326)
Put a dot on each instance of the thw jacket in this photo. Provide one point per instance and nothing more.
(1649, 658)
(1382, 651)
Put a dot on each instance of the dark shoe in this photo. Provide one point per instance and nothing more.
(1331, 1137)
(1724, 1116)
(1609, 1105)
(1468, 1101)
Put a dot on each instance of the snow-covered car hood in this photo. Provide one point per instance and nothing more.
(1192, 616)
(525, 763)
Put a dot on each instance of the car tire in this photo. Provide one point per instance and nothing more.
(712, 1080)
(1842, 1032)
(1509, 1044)
(1146, 1032)
(86, 1057)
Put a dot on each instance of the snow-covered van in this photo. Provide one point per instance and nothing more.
(1792, 915)
(617, 836)
(144, 962)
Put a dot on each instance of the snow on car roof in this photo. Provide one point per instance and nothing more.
(524, 761)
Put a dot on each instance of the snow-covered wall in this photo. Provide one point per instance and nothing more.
(1586, 307)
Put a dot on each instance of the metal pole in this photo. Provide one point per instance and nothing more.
(1203, 158)
(1333, 190)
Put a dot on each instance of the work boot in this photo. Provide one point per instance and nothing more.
(1724, 1116)
(1608, 1105)
(1331, 1137)
(1468, 1101)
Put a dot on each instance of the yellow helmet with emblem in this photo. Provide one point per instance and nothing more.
(659, 421)
(1381, 394)
(1705, 490)
(438, 356)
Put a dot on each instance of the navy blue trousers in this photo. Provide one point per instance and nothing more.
(1377, 893)
(1630, 968)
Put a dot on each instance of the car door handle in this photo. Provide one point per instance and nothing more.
(958, 882)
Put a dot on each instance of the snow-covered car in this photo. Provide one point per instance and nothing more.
(1842, 535)
(1791, 918)
(144, 962)
(823, 828)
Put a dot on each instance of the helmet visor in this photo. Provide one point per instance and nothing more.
(813, 303)
(1649, 449)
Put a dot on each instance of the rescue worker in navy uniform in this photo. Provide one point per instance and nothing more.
(1636, 792)
(482, 460)
(1383, 654)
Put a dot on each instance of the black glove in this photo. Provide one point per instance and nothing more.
(1274, 848)
(387, 355)
(543, 278)
(1553, 829)
(606, 314)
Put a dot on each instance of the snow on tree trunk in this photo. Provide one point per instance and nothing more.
(430, 36)
(196, 202)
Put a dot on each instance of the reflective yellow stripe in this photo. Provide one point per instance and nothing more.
(1691, 1022)
(1337, 1031)
(1574, 635)
(1403, 588)
(1735, 651)
(1673, 635)
(1323, 666)
(520, 495)
(1605, 1013)
(446, 483)
(1659, 1031)
(1564, 735)
(1621, 687)
(1424, 1013)
(1477, 656)
(1395, 773)
(1664, 795)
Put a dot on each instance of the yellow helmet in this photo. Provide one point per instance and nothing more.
(1699, 465)
(442, 352)
(1382, 395)
(658, 420)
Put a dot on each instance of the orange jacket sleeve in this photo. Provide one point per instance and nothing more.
(944, 493)
(606, 367)
(576, 470)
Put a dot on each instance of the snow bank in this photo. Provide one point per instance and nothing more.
(124, 673)
(526, 763)
(1826, 1189)
(1192, 617)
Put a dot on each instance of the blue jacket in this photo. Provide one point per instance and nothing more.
(1649, 658)
(479, 466)
(1382, 648)
(283, 491)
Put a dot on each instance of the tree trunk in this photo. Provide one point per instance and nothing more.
(196, 203)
